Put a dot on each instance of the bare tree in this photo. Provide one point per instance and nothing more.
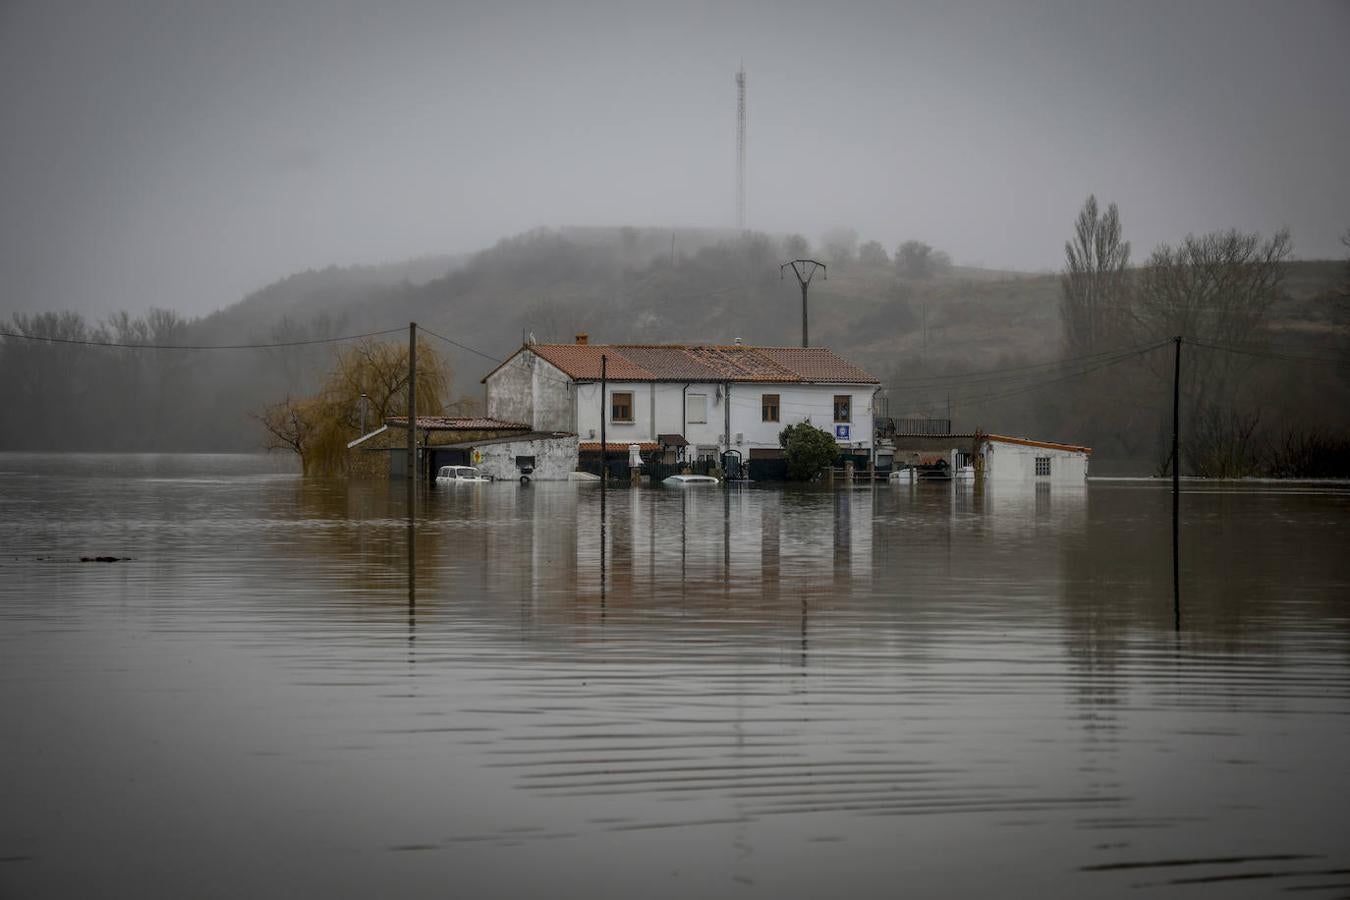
(1095, 282)
(290, 425)
(1216, 288)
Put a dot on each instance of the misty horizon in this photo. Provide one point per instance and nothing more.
(161, 157)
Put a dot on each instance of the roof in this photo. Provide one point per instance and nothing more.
(508, 439)
(699, 362)
(617, 446)
(1049, 445)
(671, 440)
(448, 423)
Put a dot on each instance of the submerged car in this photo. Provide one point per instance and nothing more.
(689, 480)
(460, 475)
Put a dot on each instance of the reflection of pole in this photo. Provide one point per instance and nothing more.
(412, 578)
(805, 270)
(1176, 489)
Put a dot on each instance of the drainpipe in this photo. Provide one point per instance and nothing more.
(726, 409)
(873, 438)
(684, 414)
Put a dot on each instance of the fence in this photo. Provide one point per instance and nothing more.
(619, 469)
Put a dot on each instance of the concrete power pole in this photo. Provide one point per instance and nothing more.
(805, 270)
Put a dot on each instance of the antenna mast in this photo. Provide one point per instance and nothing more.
(740, 148)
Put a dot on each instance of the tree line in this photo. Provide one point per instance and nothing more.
(1216, 291)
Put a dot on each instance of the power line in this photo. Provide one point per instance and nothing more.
(125, 346)
(1026, 389)
(487, 356)
(1261, 354)
(967, 379)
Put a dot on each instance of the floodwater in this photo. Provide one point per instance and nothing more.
(288, 690)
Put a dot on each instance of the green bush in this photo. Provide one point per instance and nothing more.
(808, 449)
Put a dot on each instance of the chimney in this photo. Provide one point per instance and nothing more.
(583, 337)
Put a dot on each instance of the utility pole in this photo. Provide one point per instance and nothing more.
(412, 415)
(805, 270)
(1176, 487)
(604, 447)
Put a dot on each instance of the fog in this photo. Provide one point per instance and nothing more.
(161, 154)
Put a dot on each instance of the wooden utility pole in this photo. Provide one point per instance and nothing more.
(412, 414)
(805, 270)
(604, 447)
(1176, 487)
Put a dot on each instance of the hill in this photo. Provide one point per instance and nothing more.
(617, 284)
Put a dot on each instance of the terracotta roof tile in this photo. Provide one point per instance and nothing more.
(618, 446)
(1028, 442)
(817, 364)
(449, 423)
(582, 361)
(686, 362)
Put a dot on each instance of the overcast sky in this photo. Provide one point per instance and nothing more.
(182, 154)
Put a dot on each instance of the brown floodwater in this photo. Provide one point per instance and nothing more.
(289, 689)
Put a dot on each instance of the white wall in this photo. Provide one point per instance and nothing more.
(1016, 463)
(659, 408)
(554, 458)
(798, 403)
(533, 391)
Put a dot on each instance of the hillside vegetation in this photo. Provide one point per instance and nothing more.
(622, 284)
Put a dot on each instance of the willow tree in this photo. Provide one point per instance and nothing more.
(1095, 282)
(318, 428)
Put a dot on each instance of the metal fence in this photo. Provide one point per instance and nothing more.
(915, 427)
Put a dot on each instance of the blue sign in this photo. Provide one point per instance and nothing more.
(841, 432)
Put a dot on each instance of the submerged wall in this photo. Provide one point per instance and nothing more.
(554, 458)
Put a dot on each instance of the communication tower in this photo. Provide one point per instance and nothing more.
(740, 148)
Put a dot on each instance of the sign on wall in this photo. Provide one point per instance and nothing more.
(841, 432)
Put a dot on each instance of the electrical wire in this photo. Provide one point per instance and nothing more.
(986, 374)
(125, 346)
(1261, 354)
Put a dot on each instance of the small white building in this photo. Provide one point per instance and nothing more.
(1011, 460)
(919, 452)
(694, 400)
(542, 456)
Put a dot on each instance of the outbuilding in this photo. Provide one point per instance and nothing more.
(536, 455)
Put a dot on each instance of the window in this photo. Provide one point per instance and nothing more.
(621, 406)
(843, 404)
(1042, 465)
(769, 407)
(696, 409)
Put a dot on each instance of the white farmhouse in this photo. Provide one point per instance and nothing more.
(691, 400)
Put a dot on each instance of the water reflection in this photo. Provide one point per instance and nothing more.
(776, 690)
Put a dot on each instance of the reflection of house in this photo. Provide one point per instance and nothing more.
(690, 400)
(502, 446)
(918, 445)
